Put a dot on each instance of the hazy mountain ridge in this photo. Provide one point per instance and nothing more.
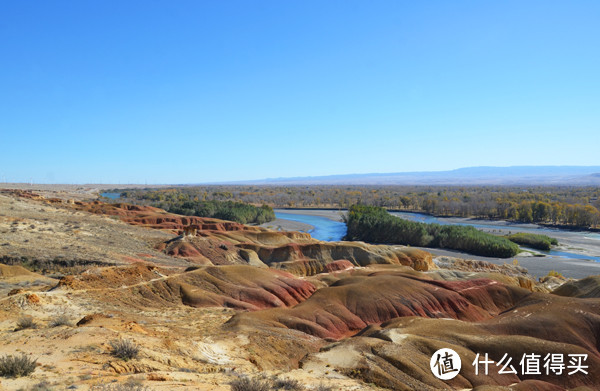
(515, 175)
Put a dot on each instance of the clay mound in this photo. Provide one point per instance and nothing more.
(151, 217)
(356, 301)
(185, 249)
(266, 237)
(243, 287)
(7, 271)
(337, 266)
(311, 258)
(469, 265)
(396, 354)
(586, 287)
(202, 250)
(237, 286)
(113, 277)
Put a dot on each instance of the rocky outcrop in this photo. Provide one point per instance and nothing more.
(237, 286)
(312, 258)
(586, 287)
(396, 354)
(356, 301)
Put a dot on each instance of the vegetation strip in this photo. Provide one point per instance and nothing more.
(375, 225)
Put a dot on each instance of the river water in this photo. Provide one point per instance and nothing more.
(505, 227)
(330, 230)
(324, 229)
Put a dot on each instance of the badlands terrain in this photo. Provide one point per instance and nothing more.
(209, 302)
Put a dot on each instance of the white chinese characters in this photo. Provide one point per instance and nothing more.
(533, 364)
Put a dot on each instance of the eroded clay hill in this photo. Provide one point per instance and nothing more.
(208, 301)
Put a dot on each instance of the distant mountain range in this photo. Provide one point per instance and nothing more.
(516, 175)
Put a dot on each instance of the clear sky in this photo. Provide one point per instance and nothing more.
(196, 91)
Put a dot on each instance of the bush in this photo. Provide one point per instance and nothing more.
(323, 387)
(129, 385)
(537, 241)
(60, 320)
(554, 273)
(224, 210)
(247, 384)
(287, 384)
(374, 224)
(13, 366)
(41, 386)
(124, 348)
(26, 322)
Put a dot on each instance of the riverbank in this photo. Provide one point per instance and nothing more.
(287, 225)
(283, 224)
(331, 214)
(584, 244)
(536, 266)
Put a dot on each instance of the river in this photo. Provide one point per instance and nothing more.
(504, 227)
(572, 257)
(324, 228)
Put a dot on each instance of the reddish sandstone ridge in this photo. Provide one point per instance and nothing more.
(392, 354)
(236, 286)
(354, 302)
(312, 258)
(588, 287)
(151, 217)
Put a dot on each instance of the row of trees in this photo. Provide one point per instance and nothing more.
(224, 210)
(540, 242)
(572, 206)
(374, 224)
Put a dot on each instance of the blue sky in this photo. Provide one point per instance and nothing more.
(198, 91)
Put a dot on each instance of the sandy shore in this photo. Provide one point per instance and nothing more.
(537, 266)
(579, 242)
(583, 243)
(287, 225)
(335, 215)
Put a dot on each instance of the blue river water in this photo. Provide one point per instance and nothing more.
(112, 196)
(513, 227)
(325, 229)
(329, 230)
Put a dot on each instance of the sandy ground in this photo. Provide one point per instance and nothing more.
(287, 225)
(581, 242)
(82, 192)
(331, 214)
(52, 231)
(537, 266)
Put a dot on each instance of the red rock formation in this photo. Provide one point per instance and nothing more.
(236, 286)
(354, 302)
(311, 258)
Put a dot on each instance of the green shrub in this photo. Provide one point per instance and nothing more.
(537, 241)
(554, 273)
(374, 224)
(16, 366)
(287, 384)
(247, 384)
(224, 210)
(26, 322)
(60, 320)
(129, 385)
(124, 348)
(41, 386)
